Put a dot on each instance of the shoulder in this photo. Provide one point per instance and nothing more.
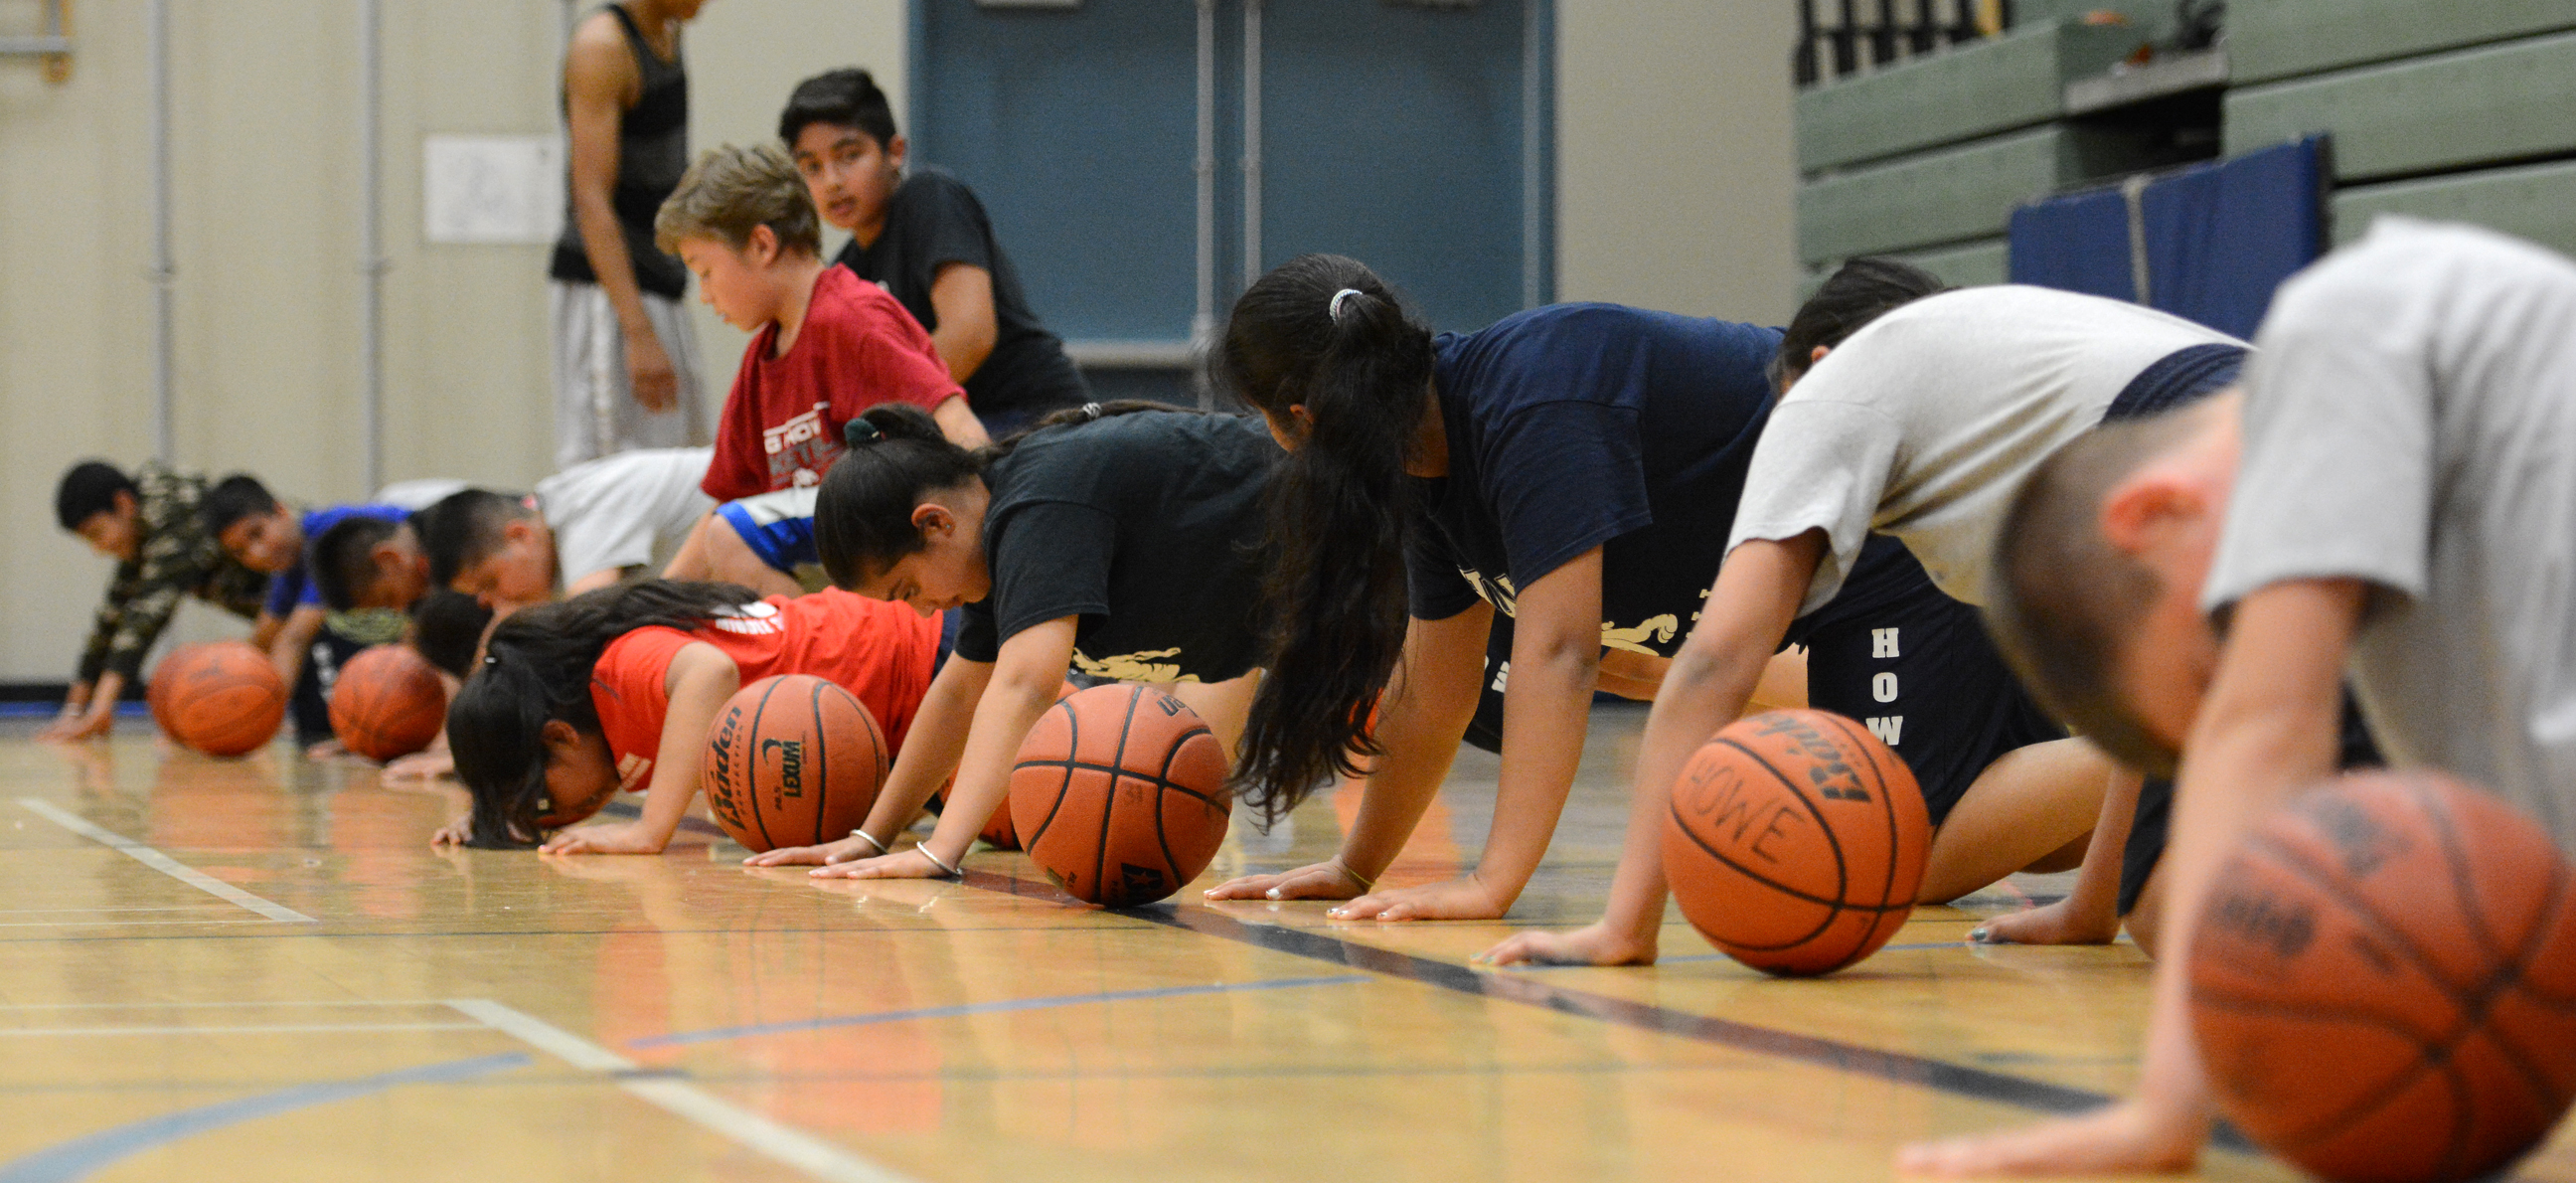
(598, 53)
(847, 305)
(936, 190)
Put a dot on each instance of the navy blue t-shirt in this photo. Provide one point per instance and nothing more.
(293, 587)
(1584, 425)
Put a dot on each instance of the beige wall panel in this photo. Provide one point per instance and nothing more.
(1675, 162)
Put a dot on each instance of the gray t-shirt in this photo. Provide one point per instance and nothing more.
(2411, 422)
(626, 510)
(1924, 423)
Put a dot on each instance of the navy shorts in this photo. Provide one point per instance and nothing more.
(2149, 827)
(1912, 664)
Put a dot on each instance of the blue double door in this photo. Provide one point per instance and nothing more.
(1144, 160)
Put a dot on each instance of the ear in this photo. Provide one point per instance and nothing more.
(896, 149)
(559, 737)
(517, 531)
(1297, 411)
(1817, 355)
(2138, 511)
(123, 503)
(761, 248)
(388, 555)
(930, 516)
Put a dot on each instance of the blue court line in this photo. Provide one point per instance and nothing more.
(82, 1156)
(715, 1034)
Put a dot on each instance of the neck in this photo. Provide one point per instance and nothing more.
(866, 231)
(1429, 454)
(796, 277)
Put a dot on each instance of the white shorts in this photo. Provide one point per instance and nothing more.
(595, 409)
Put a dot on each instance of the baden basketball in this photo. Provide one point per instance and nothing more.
(2383, 981)
(387, 702)
(997, 828)
(225, 698)
(1796, 841)
(793, 761)
(1120, 795)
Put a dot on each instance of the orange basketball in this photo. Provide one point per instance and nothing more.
(387, 702)
(1796, 841)
(1120, 794)
(2383, 981)
(224, 698)
(794, 761)
(997, 828)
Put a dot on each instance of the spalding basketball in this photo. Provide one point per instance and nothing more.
(1120, 795)
(387, 702)
(2383, 981)
(225, 698)
(997, 828)
(1796, 841)
(793, 761)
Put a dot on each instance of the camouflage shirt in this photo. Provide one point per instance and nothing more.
(175, 555)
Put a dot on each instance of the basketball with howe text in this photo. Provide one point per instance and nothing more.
(1796, 841)
(1120, 795)
(793, 760)
(2383, 981)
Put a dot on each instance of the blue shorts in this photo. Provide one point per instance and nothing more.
(778, 527)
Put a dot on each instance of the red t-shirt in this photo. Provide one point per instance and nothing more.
(878, 650)
(781, 426)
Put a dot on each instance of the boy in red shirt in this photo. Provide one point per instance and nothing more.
(826, 344)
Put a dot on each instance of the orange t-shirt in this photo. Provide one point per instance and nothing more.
(878, 650)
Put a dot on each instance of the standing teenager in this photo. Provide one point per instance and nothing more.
(625, 359)
(1122, 542)
(922, 235)
(1574, 468)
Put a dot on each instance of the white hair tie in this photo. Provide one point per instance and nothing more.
(1335, 310)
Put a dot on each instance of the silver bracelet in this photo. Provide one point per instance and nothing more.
(944, 866)
(870, 839)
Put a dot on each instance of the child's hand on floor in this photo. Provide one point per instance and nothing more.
(908, 863)
(845, 850)
(1593, 944)
(1458, 899)
(453, 833)
(1318, 881)
(626, 838)
(2059, 923)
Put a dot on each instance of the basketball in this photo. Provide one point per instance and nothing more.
(793, 761)
(387, 702)
(2383, 981)
(224, 698)
(1796, 842)
(1120, 794)
(997, 828)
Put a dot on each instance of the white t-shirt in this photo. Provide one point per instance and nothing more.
(2411, 422)
(626, 510)
(1924, 423)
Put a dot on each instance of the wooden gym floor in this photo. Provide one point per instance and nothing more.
(257, 969)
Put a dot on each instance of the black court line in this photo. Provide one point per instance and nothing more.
(1941, 1076)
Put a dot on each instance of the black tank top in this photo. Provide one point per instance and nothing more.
(652, 152)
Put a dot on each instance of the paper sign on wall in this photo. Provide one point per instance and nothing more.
(492, 189)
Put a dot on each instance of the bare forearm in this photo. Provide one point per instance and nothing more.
(931, 750)
(1701, 693)
(1010, 707)
(1545, 715)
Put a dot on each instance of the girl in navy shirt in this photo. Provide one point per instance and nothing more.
(1574, 468)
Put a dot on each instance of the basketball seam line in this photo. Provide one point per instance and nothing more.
(1132, 774)
(1109, 807)
(2509, 968)
(822, 764)
(1842, 873)
(1887, 807)
(758, 709)
(1073, 741)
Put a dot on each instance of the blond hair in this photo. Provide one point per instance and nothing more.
(731, 190)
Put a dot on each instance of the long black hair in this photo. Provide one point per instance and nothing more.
(1857, 293)
(1325, 333)
(536, 669)
(863, 511)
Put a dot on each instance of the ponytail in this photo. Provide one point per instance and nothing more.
(536, 669)
(863, 511)
(1323, 332)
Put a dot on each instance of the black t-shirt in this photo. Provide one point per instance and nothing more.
(1145, 525)
(933, 220)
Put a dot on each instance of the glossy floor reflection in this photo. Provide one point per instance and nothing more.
(257, 969)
